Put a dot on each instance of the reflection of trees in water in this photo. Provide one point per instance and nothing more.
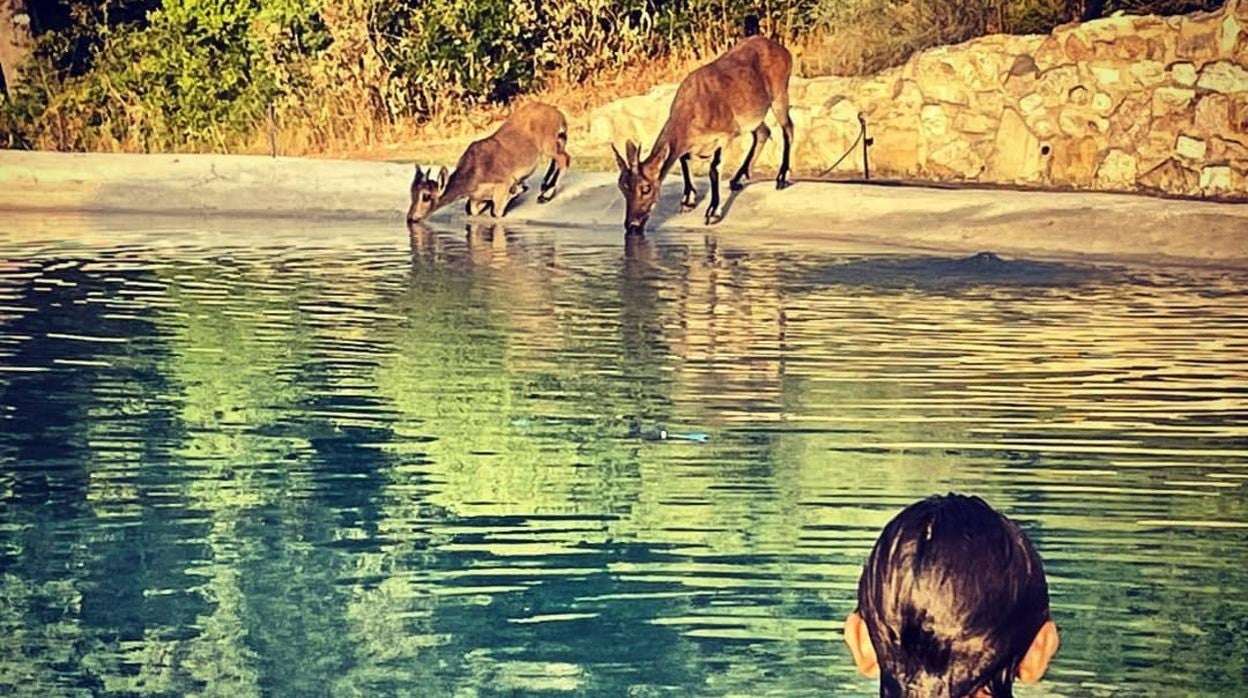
(379, 462)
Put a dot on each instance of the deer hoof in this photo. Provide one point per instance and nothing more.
(546, 196)
(782, 184)
(736, 185)
(713, 217)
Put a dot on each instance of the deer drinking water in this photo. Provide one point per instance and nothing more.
(713, 105)
(492, 171)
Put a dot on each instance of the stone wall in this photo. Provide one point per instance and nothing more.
(1127, 103)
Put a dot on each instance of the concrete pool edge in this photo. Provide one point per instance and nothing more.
(1051, 224)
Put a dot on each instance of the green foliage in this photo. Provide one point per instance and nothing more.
(207, 74)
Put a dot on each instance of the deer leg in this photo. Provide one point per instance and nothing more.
(782, 179)
(712, 211)
(558, 165)
(688, 202)
(502, 196)
(760, 135)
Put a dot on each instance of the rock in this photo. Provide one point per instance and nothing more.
(1190, 148)
(1223, 76)
(1171, 177)
(974, 123)
(1148, 73)
(1103, 103)
(956, 159)
(1129, 48)
(1197, 39)
(933, 120)
(1183, 74)
(1073, 162)
(1031, 103)
(1213, 113)
(1167, 100)
(1107, 29)
(1130, 121)
(1054, 85)
(1049, 54)
(1079, 122)
(896, 150)
(1107, 76)
(1215, 179)
(1117, 170)
(1023, 66)
(939, 81)
(1079, 95)
(1076, 49)
(1017, 156)
(1238, 118)
(1222, 150)
(1228, 36)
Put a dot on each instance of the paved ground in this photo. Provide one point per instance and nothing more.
(1042, 224)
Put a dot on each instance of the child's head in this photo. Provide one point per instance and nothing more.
(952, 603)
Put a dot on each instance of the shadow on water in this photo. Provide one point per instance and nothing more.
(944, 274)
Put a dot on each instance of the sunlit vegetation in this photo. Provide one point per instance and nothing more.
(312, 76)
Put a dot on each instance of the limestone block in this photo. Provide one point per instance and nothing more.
(1213, 113)
(908, 96)
(975, 123)
(1215, 179)
(1148, 73)
(1049, 54)
(1118, 170)
(940, 82)
(1183, 74)
(956, 159)
(1238, 117)
(1107, 76)
(1223, 150)
(1076, 48)
(1107, 28)
(1103, 103)
(1191, 148)
(1079, 96)
(1198, 39)
(1017, 156)
(1223, 76)
(1167, 100)
(1173, 177)
(933, 121)
(1130, 121)
(1031, 104)
(1078, 123)
(1073, 161)
(1055, 85)
(1228, 36)
(896, 149)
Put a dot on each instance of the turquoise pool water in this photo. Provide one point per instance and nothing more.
(255, 458)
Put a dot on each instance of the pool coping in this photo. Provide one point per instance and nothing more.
(1069, 225)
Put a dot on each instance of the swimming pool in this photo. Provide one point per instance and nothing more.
(254, 457)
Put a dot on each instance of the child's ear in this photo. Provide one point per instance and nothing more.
(1042, 649)
(859, 641)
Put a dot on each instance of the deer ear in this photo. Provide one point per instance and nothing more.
(442, 179)
(420, 176)
(634, 153)
(619, 159)
(655, 163)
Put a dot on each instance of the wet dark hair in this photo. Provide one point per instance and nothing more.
(952, 595)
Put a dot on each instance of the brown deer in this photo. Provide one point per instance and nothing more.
(493, 170)
(713, 105)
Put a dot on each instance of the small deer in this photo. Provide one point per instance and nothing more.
(714, 104)
(493, 170)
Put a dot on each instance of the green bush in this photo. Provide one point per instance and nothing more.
(205, 74)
